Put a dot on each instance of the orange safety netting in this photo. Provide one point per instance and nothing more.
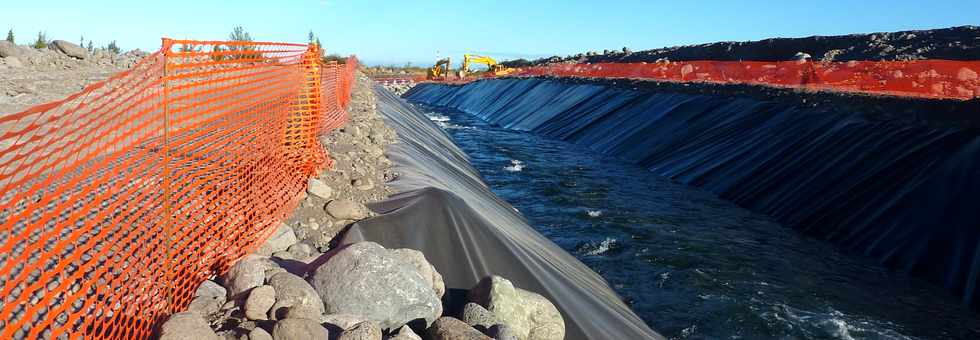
(916, 78)
(119, 200)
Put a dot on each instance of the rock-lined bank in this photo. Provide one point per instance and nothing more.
(306, 282)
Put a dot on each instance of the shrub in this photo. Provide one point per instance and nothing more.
(336, 58)
(215, 53)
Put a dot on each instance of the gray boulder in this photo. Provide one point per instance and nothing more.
(501, 332)
(9, 49)
(300, 251)
(475, 315)
(367, 280)
(367, 330)
(259, 301)
(247, 273)
(208, 298)
(405, 333)
(319, 189)
(210, 289)
(280, 240)
(293, 291)
(70, 49)
(187, 326)
(285, 255)
(530, 315)
(428, 271)
(342, 321)
(299, 329)
(447, 328)
(346, 210)
(259, 334)
(303, 312)
(205, 305)
(246, 325)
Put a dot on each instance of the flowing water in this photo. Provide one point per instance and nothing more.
(692, 265)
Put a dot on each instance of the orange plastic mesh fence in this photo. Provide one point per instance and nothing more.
(119, 200)
(917, 78)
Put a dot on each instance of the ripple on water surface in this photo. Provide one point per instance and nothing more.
(692, 265)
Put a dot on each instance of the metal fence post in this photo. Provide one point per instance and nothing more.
(166, 46)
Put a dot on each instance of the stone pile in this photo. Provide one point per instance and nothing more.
(359, 291)
(300, 285)
(399, 88)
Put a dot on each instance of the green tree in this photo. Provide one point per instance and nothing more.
(10, 36)
(81, 40)
(42, 40)
(239, 34)
(91, 47)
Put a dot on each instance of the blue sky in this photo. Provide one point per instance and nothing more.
(396, 32)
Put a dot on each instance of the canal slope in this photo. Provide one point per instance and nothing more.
(445, 210)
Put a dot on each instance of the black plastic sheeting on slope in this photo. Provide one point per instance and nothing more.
(445, 210)
(904, 193)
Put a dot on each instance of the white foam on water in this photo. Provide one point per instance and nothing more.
(438, 118)
(515, 166)
(603, 247)
(831, 324)
(688, 332)
(595, 213)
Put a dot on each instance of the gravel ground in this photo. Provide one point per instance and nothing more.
(37, 76)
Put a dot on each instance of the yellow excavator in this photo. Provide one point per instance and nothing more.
(440, 69)
(492, 66)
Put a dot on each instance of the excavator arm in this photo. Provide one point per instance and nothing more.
(491, 63)
(440, 69)
(478, 59)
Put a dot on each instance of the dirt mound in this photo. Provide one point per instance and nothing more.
(955, 43)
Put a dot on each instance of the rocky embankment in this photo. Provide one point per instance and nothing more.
(30, 76)
(954, 43)
(399, 88)
(301, 285)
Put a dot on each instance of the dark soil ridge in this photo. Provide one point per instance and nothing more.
(954, 43)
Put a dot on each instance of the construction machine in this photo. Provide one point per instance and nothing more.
(493, 68)
(440, 69)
